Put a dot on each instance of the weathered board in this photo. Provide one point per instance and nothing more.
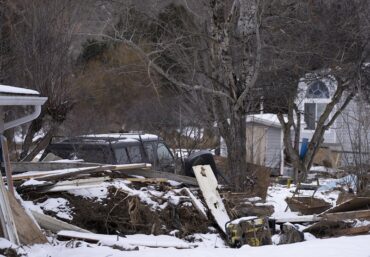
(208, 185)
(159, 174)
(48, 166)
(54, 225)
(357, 203)
(28, 232)
(196, 203)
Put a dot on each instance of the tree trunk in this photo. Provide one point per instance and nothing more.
(235, 139)
(34, 127)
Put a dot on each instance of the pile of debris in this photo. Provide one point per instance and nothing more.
(89, 201)
(349, 216)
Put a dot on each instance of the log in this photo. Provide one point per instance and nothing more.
(54, 225)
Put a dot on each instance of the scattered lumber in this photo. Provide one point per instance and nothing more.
(54, 225)
(28, 232)
(208, 185)
(113, 240)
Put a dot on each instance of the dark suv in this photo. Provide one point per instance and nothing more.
(117, 148)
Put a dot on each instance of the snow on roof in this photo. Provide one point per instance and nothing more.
(267, 119)
(17, 90)
(124, 136)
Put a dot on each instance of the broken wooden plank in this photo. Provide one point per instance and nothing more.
(74, 184)
(92, 170)
(351, 205)
(49, 166)
(28, 232)
(196, 203)
(36, 174)
(54, 225)
(351, 231)
(208, 185)
(159, 174)
(338, 216)
(126, 241)
(66, 173)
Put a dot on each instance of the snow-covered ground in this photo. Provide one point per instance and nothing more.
(357, 246)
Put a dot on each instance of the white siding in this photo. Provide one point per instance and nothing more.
(273, 148)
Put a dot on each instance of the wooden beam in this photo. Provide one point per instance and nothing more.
(351, 231)
(19, 167)
(299, 219)
(54, 225)
(356, 203)
(339, 216)
(74, 184)
(68, 173)
(159, 174)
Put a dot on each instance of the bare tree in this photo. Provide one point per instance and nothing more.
(213, 59)
(41, 34)
(329, 43)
